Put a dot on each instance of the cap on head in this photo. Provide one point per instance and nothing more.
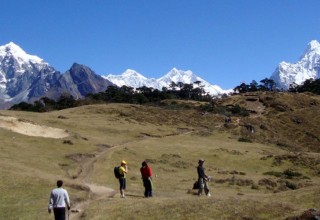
(201, 161)
(124, 162)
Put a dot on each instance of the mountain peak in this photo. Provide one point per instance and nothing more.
(306, 68)
(313, 47)
(313, 44)
(174, 69)
(135, 80)
(129, 73)
(12, 49)
(176, 72)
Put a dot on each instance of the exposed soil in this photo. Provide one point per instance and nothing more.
(31, 129)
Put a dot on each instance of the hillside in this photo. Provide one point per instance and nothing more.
(285, 119)
(273, 173)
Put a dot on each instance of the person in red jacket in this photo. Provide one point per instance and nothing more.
(146, 174)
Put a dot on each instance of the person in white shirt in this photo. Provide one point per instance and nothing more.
(59, 200)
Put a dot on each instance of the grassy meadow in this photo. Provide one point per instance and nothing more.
(251, 180)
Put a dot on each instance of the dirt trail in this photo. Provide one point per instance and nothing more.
(96, 192)
(31, 129)
(100, 192)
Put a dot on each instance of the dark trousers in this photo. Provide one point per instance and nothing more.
(123, 184)
(148, 187)
(59, 213)
(203, 185)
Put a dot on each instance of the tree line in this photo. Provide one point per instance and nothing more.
(123, 94)
(310, 85)
(145, 95)
(265, 85)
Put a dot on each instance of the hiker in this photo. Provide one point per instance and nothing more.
(250, 128)
(58, 201)
(123, 170)
(146, 174)
(202, 179)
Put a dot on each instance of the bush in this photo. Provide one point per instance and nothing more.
(239, 110)
(273, 173)
(291, 174)
(244, 139)
(288, 174)
(291, 185)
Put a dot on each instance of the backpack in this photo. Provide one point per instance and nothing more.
(117, 172)
(196, 185)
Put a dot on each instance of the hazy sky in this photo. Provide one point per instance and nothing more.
(225, 42)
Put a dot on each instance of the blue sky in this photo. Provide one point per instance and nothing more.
(225, 42)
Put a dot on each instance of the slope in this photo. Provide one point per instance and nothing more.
(245, 184)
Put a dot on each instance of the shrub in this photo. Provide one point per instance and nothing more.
(244, 139)
(255, 186)
(267, 182)
(291, 185)
(273, 173)
(291, 174)
(239, 110)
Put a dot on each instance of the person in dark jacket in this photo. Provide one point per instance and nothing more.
(146, 174)
(202, 179)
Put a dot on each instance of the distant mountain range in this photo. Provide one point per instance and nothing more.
(308, 67)
(25, 77)
(135, 80)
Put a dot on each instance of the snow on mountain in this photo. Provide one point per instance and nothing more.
(18, 70)
(23, 60)
(27, 78)
(14, 61)
(188, 77)
(133, 79)
(307, 67)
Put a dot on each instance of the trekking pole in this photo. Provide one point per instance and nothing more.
(69, 214)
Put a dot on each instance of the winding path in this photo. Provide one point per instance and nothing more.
(97, 192)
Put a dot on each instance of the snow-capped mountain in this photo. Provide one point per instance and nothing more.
(306, 68)
(135, 80)
(19, 71)
(27, 78)
(188, 77)
(23, 61)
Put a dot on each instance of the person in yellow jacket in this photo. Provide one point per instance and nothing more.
(123, 170)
